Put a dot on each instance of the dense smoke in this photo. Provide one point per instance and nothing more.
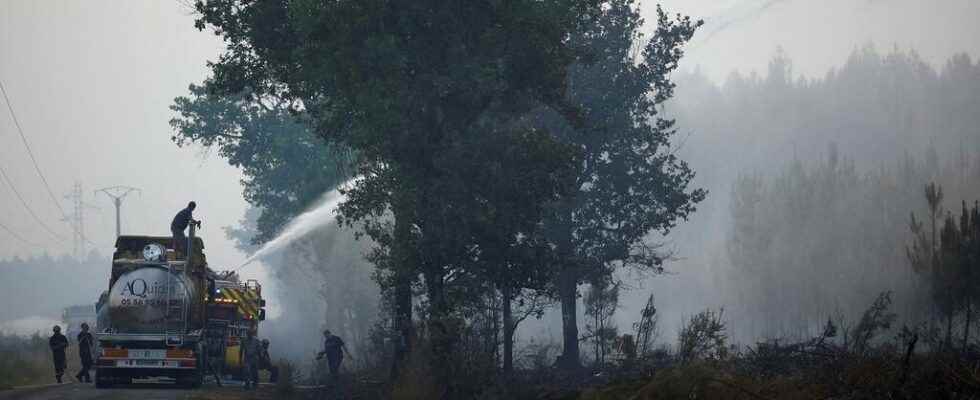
(812, 181)
(35, 291)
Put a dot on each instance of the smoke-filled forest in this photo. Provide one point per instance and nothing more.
(815, 180)
(635, 218)
(541, 200)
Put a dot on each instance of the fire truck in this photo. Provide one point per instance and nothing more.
(235, 309)
(171, 316)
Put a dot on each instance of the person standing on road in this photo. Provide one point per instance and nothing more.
(85, 344)
(251, 354)
(58, 344)
(334, 348)
(183, 218)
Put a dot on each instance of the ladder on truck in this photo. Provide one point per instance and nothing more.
(175, 330)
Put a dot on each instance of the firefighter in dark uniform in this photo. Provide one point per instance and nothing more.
(85, 344)
(58, 344)
(251, 355)
(334, 349)
(265, 362)
(183, 218)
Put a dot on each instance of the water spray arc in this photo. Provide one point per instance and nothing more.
(318, 216)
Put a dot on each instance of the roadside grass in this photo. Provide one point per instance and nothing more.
(237, 393)
(26, 360)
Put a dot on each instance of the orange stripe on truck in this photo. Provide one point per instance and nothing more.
(115, 353)
(180, 353)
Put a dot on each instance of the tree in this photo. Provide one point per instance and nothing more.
(629, 182)
(512, 182)
(601, 302)
(948, 259)
(926, 258)
(407, 85)
(970, 259)
(959, 268)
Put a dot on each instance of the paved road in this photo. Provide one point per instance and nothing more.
(78, 391)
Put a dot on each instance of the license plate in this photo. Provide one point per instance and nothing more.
(147, 363)
(148, 354)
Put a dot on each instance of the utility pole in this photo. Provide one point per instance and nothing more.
(117, 194)
(77, 220)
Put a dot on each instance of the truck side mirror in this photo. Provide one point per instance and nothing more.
(262, 315)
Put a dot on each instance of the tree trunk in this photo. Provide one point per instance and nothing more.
(508, 317)
(568, 293)
(966, 326)
(597, 339)
(403, 326)
(439, 329)
(949, 331)
(403, 320)
(493, 315)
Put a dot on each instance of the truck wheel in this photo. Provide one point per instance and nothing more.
(191, 379)
(102, 380)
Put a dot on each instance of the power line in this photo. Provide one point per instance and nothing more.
(27, 207)
(23, 139)
(18, 237)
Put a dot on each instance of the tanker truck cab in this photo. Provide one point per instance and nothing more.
(152, 321)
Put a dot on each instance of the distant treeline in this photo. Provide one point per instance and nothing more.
(45, 285)
(813, 181)
(811, 240)
(875, 107)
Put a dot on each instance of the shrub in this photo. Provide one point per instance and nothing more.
(703, 337)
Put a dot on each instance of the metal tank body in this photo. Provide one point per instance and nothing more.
(138, 300)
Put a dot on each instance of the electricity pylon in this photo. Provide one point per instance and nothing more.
(77, 220)
(118, 193)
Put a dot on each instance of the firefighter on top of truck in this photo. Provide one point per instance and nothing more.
(180, 222)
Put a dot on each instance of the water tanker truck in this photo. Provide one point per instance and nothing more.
(171, 316)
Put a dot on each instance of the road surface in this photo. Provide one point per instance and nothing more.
(78, 391)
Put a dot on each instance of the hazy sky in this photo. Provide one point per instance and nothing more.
(820, 34)
(91, 81)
